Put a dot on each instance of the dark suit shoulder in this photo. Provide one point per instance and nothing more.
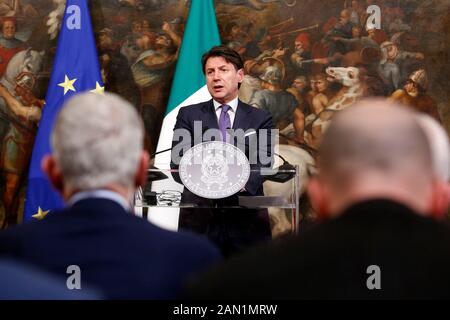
(196, 107)
(107, 220)
(255, 111)
(263, 113)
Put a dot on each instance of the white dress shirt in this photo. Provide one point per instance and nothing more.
(103, 194)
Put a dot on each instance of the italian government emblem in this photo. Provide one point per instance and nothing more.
(214, 170)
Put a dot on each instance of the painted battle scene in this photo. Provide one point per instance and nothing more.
(304, 61)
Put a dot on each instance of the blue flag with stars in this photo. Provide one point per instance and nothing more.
(75, 69)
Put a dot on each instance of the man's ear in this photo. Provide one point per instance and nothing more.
(240, 73)
(440, 199)
(318, 197)
(53, 172)
(141, 172)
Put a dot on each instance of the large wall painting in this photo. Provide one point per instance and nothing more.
(304, 61)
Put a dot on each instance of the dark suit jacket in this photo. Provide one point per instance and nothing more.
(118, 253)
(246, 118)
(330, 260)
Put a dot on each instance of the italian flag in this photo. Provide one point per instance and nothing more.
(188, 87)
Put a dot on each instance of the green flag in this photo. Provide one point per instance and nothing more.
(201, 33)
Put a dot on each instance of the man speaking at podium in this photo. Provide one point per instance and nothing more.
(230, 229)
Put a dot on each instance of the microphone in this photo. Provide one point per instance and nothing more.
(152, 156)
(153, 176)
(162, 151)
(158, 175)
(200, 135)
(282, 174)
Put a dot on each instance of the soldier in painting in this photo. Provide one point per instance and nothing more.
(414, 94)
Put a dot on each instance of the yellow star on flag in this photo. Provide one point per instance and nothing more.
(67, 84)
(98, 88)
(41, 214)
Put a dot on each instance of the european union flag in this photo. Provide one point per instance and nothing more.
(75, 69)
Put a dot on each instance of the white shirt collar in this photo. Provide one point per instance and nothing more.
(233, 104)
(101, 193)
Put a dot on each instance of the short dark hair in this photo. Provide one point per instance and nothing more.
(230, 56)
(10, 19)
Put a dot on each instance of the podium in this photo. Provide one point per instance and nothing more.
(281, 195)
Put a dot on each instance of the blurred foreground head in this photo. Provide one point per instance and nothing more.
(97, 143)
(377, 150)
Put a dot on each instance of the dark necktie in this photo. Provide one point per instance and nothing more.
(224, 121)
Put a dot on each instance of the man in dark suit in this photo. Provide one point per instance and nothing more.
(378, 192)
(232, 230)
(97, 162)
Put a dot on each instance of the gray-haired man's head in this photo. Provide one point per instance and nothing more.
(97, 142)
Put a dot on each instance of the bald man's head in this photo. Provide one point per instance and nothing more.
(374, 136)
(375, 149)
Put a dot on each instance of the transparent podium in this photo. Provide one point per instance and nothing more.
(281, 195)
